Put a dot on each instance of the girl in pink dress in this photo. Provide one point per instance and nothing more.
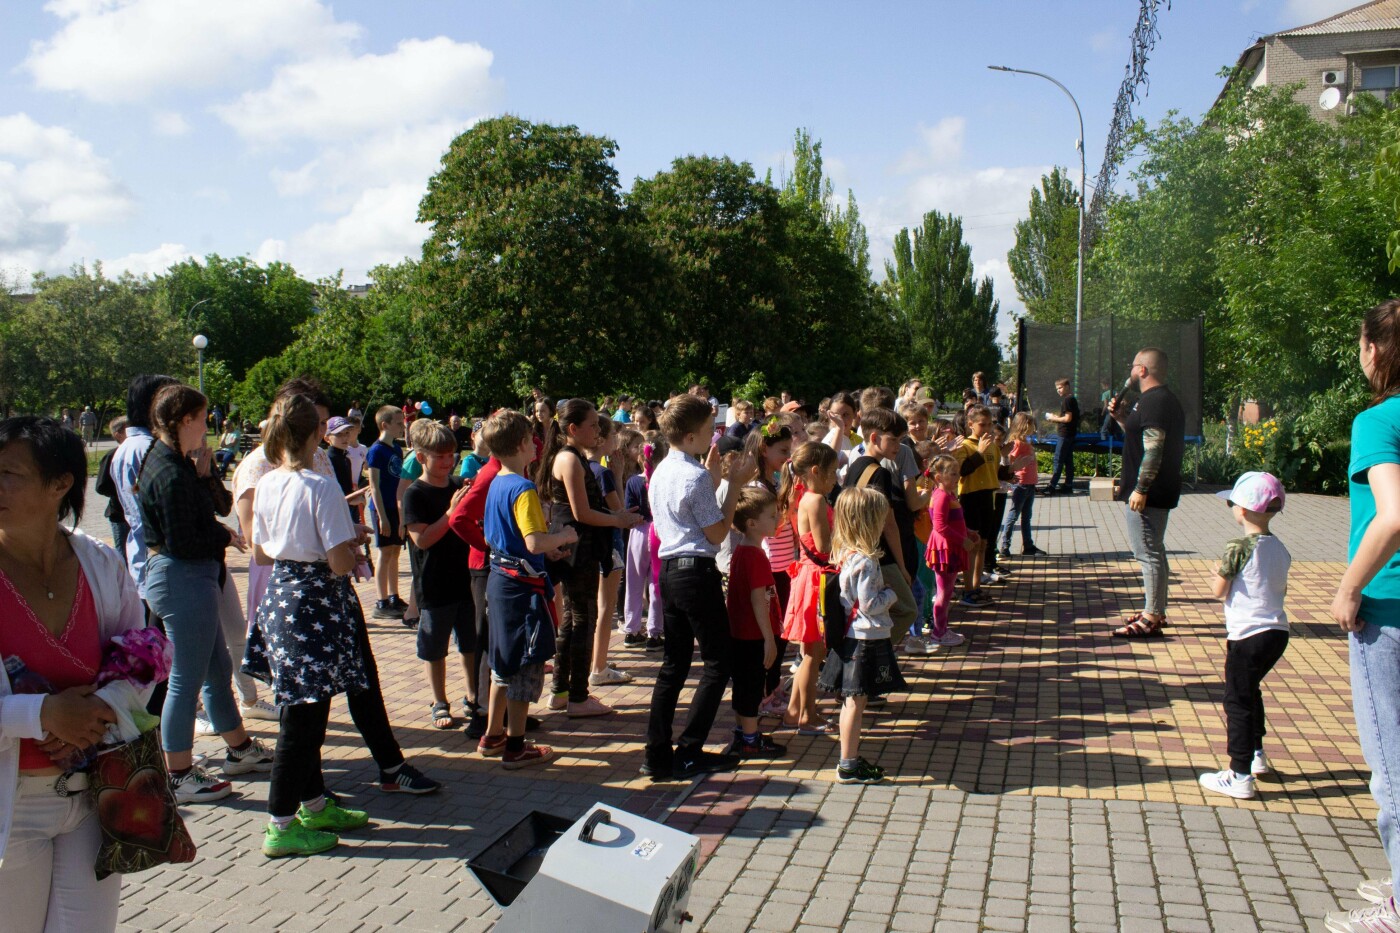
(808, 477)
(948, 544)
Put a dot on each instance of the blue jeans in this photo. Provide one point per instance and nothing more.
(1064, 460)
(185, 595)
(1147, 533)
(1022, 502)
(1375, 699)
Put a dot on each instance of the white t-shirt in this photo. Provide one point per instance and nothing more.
(300, 516)
(1257, 568)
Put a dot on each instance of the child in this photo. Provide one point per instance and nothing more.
(302, 528)
(1252, 581)
(338, 437)
(443, 593)
(474, 461)
(770, 445)
(385, 462)
(807, 480)
(1021, 460)
(570, 487)
(603, 674)
(518, 591)
(753, 619)
(978, 460)
(643, 587)
(691, 525)
(864, 666)
(883, 431)
(949, 544)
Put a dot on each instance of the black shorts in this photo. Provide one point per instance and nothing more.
(436, 626)
(979, 512)
(391, 518)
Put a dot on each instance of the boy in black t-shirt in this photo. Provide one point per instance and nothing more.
(883, 430)
(439, 561)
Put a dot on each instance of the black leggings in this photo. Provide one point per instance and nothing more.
(368, 713)
(774, 675)
(296, 766)
(1247, 662)
(573, 646)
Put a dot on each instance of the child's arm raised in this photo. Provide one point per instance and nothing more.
(742, 469)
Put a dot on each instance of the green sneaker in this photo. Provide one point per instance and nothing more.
(332, 818)
(296, 839)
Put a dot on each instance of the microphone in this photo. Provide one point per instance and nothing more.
(1127, 384)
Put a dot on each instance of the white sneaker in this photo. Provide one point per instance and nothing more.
(951, 639)
(1260, 764)
(609, 677)
(260, 709)
(199, 786)
(256, 757)
(1230, 784)
(913, 644)
(202, 725)
(1376, 890)
(1381, 918)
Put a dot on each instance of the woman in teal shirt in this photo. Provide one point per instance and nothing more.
(1367, 604)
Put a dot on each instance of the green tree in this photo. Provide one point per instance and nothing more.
(248, 312)
(1045, 258)
(1269, 224)
(529, 263)
(948, 318)
(84, 336)
(720, 232)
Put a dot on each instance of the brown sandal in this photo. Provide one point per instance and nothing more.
(1140, 628)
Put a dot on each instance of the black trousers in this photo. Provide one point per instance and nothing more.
(367, 710)
(694, 613)
(749, 676)
(296, 764)
(1247, 662)
(573, 644)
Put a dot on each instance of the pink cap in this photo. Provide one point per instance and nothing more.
(1258, 492)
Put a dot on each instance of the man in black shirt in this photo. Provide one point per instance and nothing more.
(1154, 440)
(1068, 428)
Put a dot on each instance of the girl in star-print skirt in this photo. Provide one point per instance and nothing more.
(303, 641)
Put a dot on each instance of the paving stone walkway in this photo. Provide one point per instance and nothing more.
(1043, 777)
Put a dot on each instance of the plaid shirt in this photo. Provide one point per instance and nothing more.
(178, 507)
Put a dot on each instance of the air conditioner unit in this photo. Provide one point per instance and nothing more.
(1334, 78)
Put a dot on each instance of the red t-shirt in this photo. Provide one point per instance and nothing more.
(750, 570)
(465, 519)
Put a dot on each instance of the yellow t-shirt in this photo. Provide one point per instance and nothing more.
(985, 476)
(529, 514)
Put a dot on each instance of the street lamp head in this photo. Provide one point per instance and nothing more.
(200, 341)
(998, 68)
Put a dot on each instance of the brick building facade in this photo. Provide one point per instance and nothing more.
(1356, 52)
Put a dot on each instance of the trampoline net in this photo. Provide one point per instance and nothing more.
(1107, 347)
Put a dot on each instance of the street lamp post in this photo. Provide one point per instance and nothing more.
(200, 342)
(1079, 280)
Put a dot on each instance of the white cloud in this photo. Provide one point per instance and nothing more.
(152, 262)
(126, 50)
(169, 123)
(51, 181)
(379, 228)
(990, 200)
(341, 171)
(341, 97)
(940, 144)
(1104, 40)
(1303, 12)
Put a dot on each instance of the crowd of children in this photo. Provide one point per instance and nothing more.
(801, 549)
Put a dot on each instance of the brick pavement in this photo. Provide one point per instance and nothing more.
(1042, 777)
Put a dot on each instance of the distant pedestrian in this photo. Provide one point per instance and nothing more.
(1067, 429)
(107, 486)
(87, 421)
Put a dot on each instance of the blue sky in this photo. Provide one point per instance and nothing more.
(138, 132)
